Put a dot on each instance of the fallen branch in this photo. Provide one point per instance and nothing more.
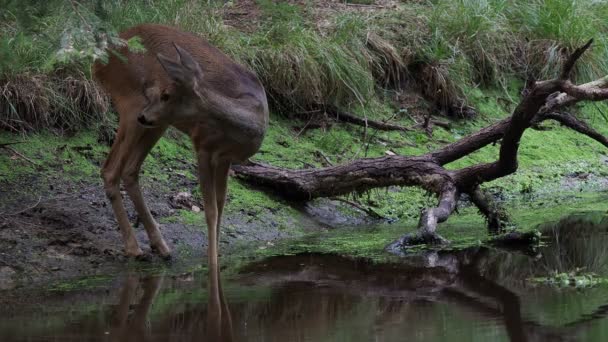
(10, 143)
(578, 125)
(325, 159)
(354, 119)
(17, 153)
(23, 210)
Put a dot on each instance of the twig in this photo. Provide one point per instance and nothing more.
(20, 155)
(364, 5)
(11, 143)
(305, 126)
(22, 211)
(368, 211)
(322, 155)
(354, 119)
(569, 65)
(75, 5)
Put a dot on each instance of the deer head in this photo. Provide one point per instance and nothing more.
(181, 100)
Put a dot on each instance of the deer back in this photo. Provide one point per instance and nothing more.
(127, 74)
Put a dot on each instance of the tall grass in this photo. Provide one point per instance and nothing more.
(303, 67)
(439, 47)
(554, 28)
(35, 91)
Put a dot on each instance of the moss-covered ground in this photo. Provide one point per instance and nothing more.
(548, 158)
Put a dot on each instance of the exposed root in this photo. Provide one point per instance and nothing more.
(368, 211)
(64, 101)
(434, 81)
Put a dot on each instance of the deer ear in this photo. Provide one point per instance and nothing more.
(186, 59)
(176, 71)
(173, 68)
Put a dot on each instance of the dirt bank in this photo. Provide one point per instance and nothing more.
(69, 230)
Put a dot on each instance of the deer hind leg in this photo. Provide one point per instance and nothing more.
(206, 170)
(111, 173)
(221, 184)
(130, 177)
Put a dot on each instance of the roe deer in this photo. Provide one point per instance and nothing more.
(183, 81)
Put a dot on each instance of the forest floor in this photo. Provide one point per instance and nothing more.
(56, 223)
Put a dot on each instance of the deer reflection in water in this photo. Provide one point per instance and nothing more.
(134, 325)
(219, 321)
(126, 328)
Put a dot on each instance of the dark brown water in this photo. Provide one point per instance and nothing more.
(478, 294)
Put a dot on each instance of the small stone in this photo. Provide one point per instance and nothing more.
(196, 209)
(182, 200)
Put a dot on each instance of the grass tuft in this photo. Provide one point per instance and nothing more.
(63, 102)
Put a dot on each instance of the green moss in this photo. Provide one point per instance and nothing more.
(192, 218)
(465, 229)
(82, 284)
(77, 157)
(576, 279)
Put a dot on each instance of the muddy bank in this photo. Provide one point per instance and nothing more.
(51, 229)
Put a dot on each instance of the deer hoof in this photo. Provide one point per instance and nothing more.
(162, 249)
(134, 252)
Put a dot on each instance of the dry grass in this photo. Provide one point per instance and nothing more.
(58, 101)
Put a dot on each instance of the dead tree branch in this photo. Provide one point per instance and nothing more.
(578, 125)
(540, 102)
(354, 119)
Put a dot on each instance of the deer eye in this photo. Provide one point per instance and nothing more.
(164, 97)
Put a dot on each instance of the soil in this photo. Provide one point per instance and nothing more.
(70, 230)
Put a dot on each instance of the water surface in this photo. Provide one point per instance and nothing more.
(477, 294)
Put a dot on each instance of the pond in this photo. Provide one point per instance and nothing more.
(476, 294)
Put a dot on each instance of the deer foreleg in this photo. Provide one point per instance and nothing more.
(130, 176)
(111, 173)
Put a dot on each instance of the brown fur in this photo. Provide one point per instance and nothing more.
(223, 108)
